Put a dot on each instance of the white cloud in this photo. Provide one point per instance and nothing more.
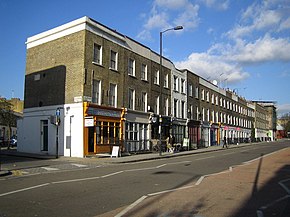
(271, 16)
(189, 18)
(285, 25)
(207, 65)
(171, 4)
(262, 50)
(217, 4)
(168, 13)
(157, 21)
(283, 109)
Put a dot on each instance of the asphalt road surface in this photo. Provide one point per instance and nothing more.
(95, 189)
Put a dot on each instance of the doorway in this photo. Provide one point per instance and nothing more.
(44, 135)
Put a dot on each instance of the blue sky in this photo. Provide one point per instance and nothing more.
(243, 44)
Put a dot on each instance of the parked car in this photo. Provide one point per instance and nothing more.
(13, 141)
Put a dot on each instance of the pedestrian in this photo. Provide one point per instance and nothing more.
(225, 142)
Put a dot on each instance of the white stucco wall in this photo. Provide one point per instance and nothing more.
(30, 130)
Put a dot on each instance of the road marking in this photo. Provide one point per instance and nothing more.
(112, 174)
(49, 168)
(24, 189)
(199, 180)
(284, 186)
(79, 165)
(76, 180)
(131, 206)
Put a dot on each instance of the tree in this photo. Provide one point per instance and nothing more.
(285, 122)
(7, 117)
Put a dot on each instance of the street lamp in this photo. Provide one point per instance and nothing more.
(160, 73)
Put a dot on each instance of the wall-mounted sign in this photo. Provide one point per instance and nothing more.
(89, 122)
(103, 112)
(82, 99)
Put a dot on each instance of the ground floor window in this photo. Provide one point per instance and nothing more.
(103, 136)
(178, 132)
(136, 137)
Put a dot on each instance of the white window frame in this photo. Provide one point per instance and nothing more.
(96, 91)
(131, 67)
(144, 101)
(113, 95)
(166, 85)
(114, 60)
(97, 54)
(175, 83)
(157, 77)
(131, 99)
(144, 72)
(190, 90)
(182, 85)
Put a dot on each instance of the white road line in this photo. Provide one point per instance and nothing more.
(284, 186)
(79, 165)
(112, 174)
(24, 189)
(199, 180)
(49, 168)
(140, 169)
(76, 180)
(131, 206)
(162, 165)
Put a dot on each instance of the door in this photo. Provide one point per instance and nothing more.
(44, 135)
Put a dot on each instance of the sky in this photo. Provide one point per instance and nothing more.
(242, 44)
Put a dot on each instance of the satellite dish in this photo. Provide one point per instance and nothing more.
(215, 82)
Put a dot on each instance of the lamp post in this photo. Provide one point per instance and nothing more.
(160, 73)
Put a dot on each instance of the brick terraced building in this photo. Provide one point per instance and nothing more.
(89, 88)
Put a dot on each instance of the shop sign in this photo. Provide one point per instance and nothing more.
(89, 122)
(103, 112)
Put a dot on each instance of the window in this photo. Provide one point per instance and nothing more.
(167, 106)
(175, 83)
(157, 108)
(114, 60)
(175, 108)
(182, 86)
(216, 100)
(183, 109)
(97, 58)
(113, 95)
(96, 95)
(196, 92)
(212, 98)
(190, 89)
(131, 67)
(166, 81)
(156, 77)
(207, 96)
(144, 72)
(144, 101)
(202, 94)
(131, 99)
(191, 112)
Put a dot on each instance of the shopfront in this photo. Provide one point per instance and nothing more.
(103, 129)
(178, 130)
(136, 132)
(193, 133)
(214, 134)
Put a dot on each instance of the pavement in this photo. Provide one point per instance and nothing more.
(259, 188)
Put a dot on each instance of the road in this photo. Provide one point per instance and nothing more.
(96, 189)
